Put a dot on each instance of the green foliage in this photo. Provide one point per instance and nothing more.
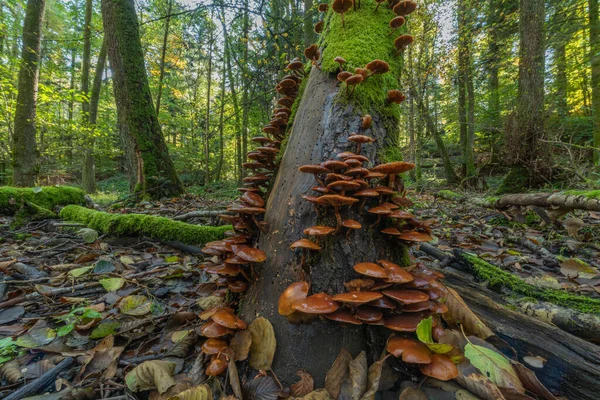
(449, 195)
(358, 49)
(515, 181)
(588, 194)
(139, 224)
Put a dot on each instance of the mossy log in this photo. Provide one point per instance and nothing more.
(572, 199)
(49, 197)
(160, 228)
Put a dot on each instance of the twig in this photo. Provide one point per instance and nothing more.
(42, 382)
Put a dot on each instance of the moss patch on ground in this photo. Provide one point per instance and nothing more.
(588, 194)
(449, 195)
(498, 278)
(516, 181)
(144, 225)
(48, 197)
(358, 49)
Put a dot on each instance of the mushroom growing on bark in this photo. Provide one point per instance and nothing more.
(402, 41)
(392, 169)
(319, 27)
(341, 7)
(312, 53)
(305, 245)
(353, 81)
(378, 67)
(405, 7)
(344, 75)
(367, 120)
(395, 96)
(359, 140)
(336, 201)
(341, 61)
(323, 7)
(396, 23)
(441, 368)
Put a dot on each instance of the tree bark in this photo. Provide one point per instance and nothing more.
(246, 86)
(25, 153)
(143, 141)
(163, 56)
(87, 175)
(319, 132)
(595, 61)
(221, 118)
(494, 19)
(207, 121)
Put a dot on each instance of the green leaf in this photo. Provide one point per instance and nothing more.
(37, 189)
(494, 366)
(135, 305)
(424, 335)
(172, 259)
(104, 267)
(65, 330)
(178, 336)
(77, 272)
(112, 284)
(36, 337)
(88, 235)
(91, 314)
(105, 329)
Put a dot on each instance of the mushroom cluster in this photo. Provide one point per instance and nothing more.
(360, 74)
(221, 324)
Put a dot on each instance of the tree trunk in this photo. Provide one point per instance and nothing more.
(207, 121)
(144, 144)
(530, 160)
(595, 61)
(494, 19)
(221, 118)
(163, 56)
(246, 86)
(25, 153)
(309, 32)
(87, 174)
(70, 110)
(320, 131)
(561, 82)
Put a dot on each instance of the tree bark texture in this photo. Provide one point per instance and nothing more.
(320, 131)
(147, 153)
(595, 61)
(25, 153)
(163, 56)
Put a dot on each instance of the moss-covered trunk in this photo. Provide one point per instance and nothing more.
(324, 118)
(147, 154)
(25, 154)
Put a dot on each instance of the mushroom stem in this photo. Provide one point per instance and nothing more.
(342, 14)
(259, 226)
(376, 222)
(348, 234)
(338, 219)
(317, 210)
(319, 180)
(358, 148)
(376, 8)
(392, 31)
(361, 207)
(391, 179)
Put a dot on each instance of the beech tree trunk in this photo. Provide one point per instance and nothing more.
(163, 56)
(87, 174)
(320, 131)
(146, 151)
(25, 153)
(595, 60)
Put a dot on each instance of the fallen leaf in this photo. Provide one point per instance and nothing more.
(262, 349)
(477, 384)
(88, 235)
(37, 369)
(234, 379)
(151, 374)
(304, 386)
(320, 394)
(460, 313)
(495, 366)
(261, 388)
(104, 267)
(11, 314)
(576, 268)
(105, 329)
(373, 377)
(36, 337)
(112, 284)
(240, 344)
(531, 382)
(358, 372)
(209, 302)
(135, 305)
(411, 393)
(11, 371)
(78, 272)
(424, 335)
(201, 392)
(337, 373)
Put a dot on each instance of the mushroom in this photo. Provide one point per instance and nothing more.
(318, 230)
(356, 285)
(216, 366)
(334, 165)
(341, 61)
(406, 296)
(213, 346)
(343, 315)
(392, 169)
(391, 231)
(364, 193)
(368, 314)
(323, 7)
(379, 2)
(213, 330)
(395, 96)
(226, 318)
(357, 298)
(362, 71)
(253, 199)
(366, 121)
(286, 101)
(237, 286)
(385, 303)
(402, 41)
(313, 200)
(297, 66)
(405, 7)
(379, 211)
(250, 254)
(378, 67)
(344, 75)
(441, 368)
(315, 170)
(371, 270)
(396, 273)
(319, 27)
(410, 350)
(353, 81)
(312, 53)
(414, 236)
(305, 245)
(359, 140)
(343, 185)
(351, 224)
(341, 6)
(403, 322)
(396, 23)
(320, 303)
(294, 293)
(336, 201)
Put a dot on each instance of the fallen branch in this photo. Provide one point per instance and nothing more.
(42, 382)
(48, 197)
(196, 214)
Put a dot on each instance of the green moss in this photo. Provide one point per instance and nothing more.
(358, 49)
(498, 278)
(31, 212)
(49, 197)
(139, 224)
(449, 195)
(516, 181)
(390, 154)
(588, 194)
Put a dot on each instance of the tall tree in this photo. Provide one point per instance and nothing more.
(87, 177)
(595, 61)
(525, 150)
(25, 153)
(163, 56)
(151, 167)
(207, 125)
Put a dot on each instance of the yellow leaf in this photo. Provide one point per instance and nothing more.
(262, 349)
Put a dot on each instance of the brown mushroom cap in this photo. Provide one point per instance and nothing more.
(312, 52)
(344, 75)
(395, 96)
(370, 269)
(357, 297)
(397, 22)
(368, 313)
(414, 236)
(403, 322)
(389, 206)
(343, 315)
(305, 244)
(366, 193)
(341, 6)
(246, 210)
(402, 41)
(213, 346)
(396, 167)
(357, 171)
(396, 273)
(418, 307)
(374, 175)
(320, 189)
(379, 210)
(367, 120)
(360, 139)
(441, 367)
(323, 7)
(227, 319)
(334, 165)
(253, 199)
(354, 79)
(339, 60)
(313, 169)
(385, 303)
(406, 296)
(410, 350)
(401, 214)
(286, 101)
(378, 67)
(391, 231)
(351, 224)
(237, 286)
(362, 71)
(353, 163)
(288, 83)
(294, 293)
(358, 284)
(319, 27)
(336, 200)
(318, 230)
(250, 254)
(343, 185)
(213, 330)
(439, 308)
(294, 66)
(320, 303)
(405, 7)
(345, 154)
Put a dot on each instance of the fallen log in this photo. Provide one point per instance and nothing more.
(48, 198)
(569, 200)
(160, 228)
(199, 214)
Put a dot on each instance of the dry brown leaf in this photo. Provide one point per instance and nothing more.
(11, 372)
(320, 394)
(5, 265)
(411, 393)
(262, 388)
(472, 380)
(240, 344)
(262, 349)
(358, 372)
(337, 373)
(151, 374)
(37, 369)
(374, 377)
(531, 382)
(201, 392)
(234, 379)
(304, 386)
(460, 313)
(209, 302)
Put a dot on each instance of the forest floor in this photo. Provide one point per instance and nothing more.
(72, 290)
